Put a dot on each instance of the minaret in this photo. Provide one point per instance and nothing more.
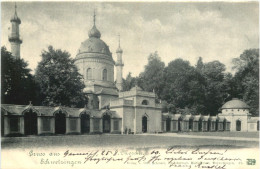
(119, 68)
(14, 37)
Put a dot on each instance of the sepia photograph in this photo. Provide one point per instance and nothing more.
(120, 84)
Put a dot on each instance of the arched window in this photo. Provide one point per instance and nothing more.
(145, 102)
(104, 75)
(89, 73)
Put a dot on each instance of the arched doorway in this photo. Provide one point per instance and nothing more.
(168, 124)
(30, 123)
(60, 123)
(106, 124)
(85, 123)
(238, 125)
(144, 124)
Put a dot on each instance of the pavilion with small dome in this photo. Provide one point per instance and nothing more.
(234, 116)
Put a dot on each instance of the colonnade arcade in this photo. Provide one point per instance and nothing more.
(40, 120)
(178, 122)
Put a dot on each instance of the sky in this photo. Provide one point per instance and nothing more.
(188, 30)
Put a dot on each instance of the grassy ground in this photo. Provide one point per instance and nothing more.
(225, 134)
(119, 141)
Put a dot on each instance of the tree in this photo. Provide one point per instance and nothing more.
(129, 82)
(200, 64)
(177, 76)
(200, 89)
(215, 91)
(59, 80)
(247, 78)
(18, 85)
(152, 77)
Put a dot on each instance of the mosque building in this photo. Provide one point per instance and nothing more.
(109, 109)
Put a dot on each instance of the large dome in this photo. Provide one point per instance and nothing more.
(94, 45)
(235, 104)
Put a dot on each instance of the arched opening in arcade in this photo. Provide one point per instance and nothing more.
(225, 125)
(216, 127)
(168, 124)
(200, 124)
(180, 124)
(209, 125)
(2, 124)
(60, 123)
(85, 123)
(106, 123)
(144, 124)
(238, 125)
(30, 123)
(190, 124)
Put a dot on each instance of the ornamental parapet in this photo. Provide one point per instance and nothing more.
(136, 93)
(121, 102)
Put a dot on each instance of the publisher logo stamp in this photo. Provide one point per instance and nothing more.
(250, 161)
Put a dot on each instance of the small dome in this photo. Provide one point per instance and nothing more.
(137, 88)
(235, 104)
(15, 18)
(94, 32)
(119, 50)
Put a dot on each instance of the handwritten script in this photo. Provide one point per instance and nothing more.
(171, 157)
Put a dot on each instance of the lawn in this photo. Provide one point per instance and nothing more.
(119, 141)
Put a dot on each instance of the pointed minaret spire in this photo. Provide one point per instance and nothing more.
(119, 67)
(14, 37)
(94, 32)
(94, 17)
(119, 40)
(119, 50)
(15, 7)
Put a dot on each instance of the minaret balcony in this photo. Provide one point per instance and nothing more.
(14, 38)
(119, 64)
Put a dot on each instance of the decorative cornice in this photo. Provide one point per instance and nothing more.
(94, 55)
(141, 107)
(95, 59)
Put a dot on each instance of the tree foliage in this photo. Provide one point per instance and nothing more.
(247, 78)
(59, 79)
(152, 77)
(203, 88)
(215, 86)
(176, 89)
(18, 85)
(129, 82)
